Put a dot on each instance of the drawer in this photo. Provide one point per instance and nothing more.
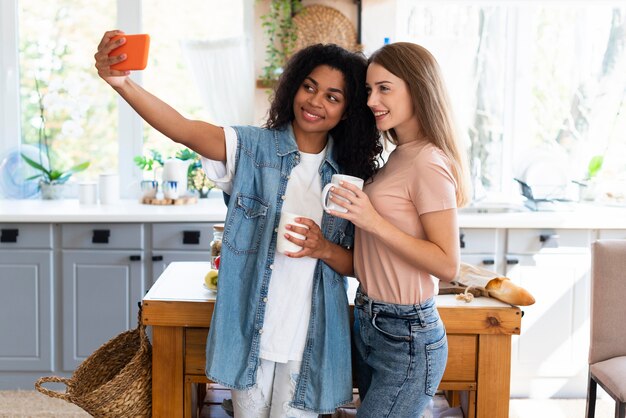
(195, 352)
(462, 358)
(477, 240)
(109, 236)
(25, 236)
(532, 241)
(612, 234)
(182, 236)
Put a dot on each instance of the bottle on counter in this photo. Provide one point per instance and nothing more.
(216, 243)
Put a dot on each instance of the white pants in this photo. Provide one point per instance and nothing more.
(270, 396)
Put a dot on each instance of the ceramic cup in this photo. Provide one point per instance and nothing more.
(149, 188)
(283, 244)
(334, 182)
(108, 188)
(170, 189)
(88, 193)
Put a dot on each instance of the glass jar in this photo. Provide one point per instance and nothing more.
(216, 243)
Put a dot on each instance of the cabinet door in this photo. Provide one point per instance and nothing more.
(100, 294)
(550, 355)
(161, 259)
(26, 310)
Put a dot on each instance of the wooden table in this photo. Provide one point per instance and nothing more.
(179, 309)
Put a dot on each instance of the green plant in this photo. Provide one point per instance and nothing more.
(281, 36)
(594, 166)
(148, 163)
(48, 174)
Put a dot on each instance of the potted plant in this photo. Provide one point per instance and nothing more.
(51, 180)
(196, 179)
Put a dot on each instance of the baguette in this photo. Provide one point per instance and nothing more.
(505, 290)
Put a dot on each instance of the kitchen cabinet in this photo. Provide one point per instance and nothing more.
(26, 280)
(179, 242)
(480, 247)
(102, 281)
(549, 357)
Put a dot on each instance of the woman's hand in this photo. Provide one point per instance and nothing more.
(313, 245)
(360, 210)
(115, 78)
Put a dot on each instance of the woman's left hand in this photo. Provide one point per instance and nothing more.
(313, 245)
(360, 210)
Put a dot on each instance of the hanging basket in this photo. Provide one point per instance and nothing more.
(113, 382)
(325, 25)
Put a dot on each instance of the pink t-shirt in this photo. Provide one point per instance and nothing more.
(416, 179)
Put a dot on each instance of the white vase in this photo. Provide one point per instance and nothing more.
(52, 191)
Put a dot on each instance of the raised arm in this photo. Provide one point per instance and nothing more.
(206, 139)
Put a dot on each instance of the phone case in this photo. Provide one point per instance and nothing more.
(136, 49)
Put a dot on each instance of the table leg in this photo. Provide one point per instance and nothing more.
(167, 372)
(494, 376)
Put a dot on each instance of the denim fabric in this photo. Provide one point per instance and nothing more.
(264, 160)
(401, 355)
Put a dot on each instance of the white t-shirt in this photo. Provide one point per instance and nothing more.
(288, 307)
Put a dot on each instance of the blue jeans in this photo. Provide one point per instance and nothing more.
(401, 353)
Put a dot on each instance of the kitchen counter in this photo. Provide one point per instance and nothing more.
(213, 210)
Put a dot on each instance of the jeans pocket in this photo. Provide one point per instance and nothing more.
(391, 327)
(436, 358)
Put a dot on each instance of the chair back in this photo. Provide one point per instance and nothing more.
(608, 300)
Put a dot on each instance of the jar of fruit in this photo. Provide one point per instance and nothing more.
(216, 243)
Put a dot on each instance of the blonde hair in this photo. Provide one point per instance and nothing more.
(418, 68)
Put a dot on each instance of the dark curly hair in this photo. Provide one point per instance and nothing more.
(357, 146)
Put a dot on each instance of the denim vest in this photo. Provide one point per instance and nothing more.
(264, 161)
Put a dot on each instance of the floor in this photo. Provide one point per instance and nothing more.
(28, 404)
(519, 408)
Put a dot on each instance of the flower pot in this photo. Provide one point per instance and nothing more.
(52, 191)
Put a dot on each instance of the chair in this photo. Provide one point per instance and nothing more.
(607, 350)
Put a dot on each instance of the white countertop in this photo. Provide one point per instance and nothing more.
(214, 210)
(126, 210)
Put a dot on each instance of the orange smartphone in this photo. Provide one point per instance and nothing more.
(136, 49)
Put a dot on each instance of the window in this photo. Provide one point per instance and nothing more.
(55, 41)
(538, 89)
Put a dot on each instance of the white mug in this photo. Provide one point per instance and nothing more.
(282, 243)
(149, 188)
(88, 193)
(334, 182)
(109, 188)
(170, 189)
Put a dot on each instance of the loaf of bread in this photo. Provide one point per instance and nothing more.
(505, 290)
(494, 285)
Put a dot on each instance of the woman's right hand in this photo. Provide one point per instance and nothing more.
(115, 78)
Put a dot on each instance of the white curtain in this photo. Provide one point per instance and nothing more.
(223, 72)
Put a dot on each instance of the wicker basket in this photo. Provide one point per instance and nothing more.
(113, 382)
(322, 24)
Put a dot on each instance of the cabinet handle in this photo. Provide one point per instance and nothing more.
(191, 237)
(511, 261)
(489, 261)
(545, 237)
(462, 240)
(157, 258)
(9, 235)
(135, 258)
(101, 236)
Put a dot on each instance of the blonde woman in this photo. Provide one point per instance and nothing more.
(407, 235)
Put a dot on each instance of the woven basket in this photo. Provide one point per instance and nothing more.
(113, 382)
(322, 24)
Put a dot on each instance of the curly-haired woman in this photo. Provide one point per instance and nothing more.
(280, 330)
